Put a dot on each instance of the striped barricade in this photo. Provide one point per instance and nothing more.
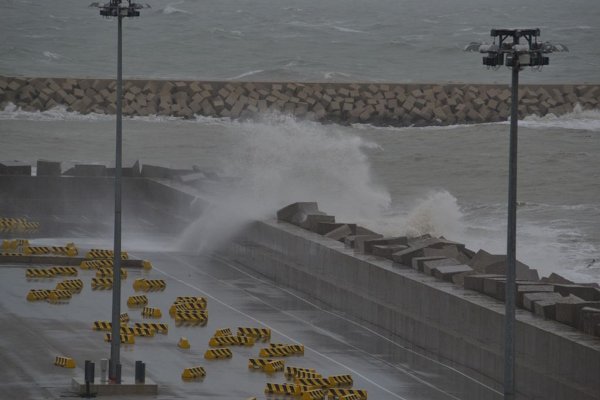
(64, 362)
(258, 363)
(293, 348)
(102, 253)
(193, 373)
(5, 254)
(191, 317)
(39, 273)
(73, 285)
(64, 251)
(350, 397)
(101, 325)
(338, 393)
(290, 372)
(218, 341)
(37, 294)
(151, 312)
(307, 375)
(137, 301)
(223, 332)
(58, 295)
(340, 380)
(218, 354)
(109, 272)
(274, 352)
(147, 265)
(314, 382)
(36, 250)
(186, 307)
(274, 366)
(14, 244)
(147, 285)
(158, 327)
(125, 338)
(190, 299)
(64, 271)
(280, 388)
(315, 394)
(102, 283)
(144, 332)
(96, 264)
(257, 333)
(124, 318)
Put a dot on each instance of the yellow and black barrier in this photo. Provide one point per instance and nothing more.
(151, 312)
(124, 318)
(274, 366)
(193, 373)
(274, 352)
(65, 362)
(183, 343)
(314, 382)
(64, 271)
(291, 372)
(350, 397)
(293, 348)
(218, 354)
(73, 285)
(280, 388)
(57, 295)
(127, 330)
(257, 333)
(97, 264)
(109, 273)
(39, 273)
(191, 317)
(147, 285)
(64, 251)
(5, 254)
(102, 253)
(190, 299)
(14, 244)
(101, 325)
(125, 338)
(338, 393)
(36, 250)
(258, 363)
(223, 332)
(186, 307)
(218, 341)
(340, 380)
(137, 301)
(307, 375)
(102, 283)
(158, 327)
(38, 294)
(314, 394)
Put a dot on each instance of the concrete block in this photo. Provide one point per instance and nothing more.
(295, 213)
(86, 170)
(340, 233)
(588, 293)
(529, 299)
(447, 272)
(15, 168)
(429, 266)
(522, 290)
(48, 168)
(589, 319)
(568, 309)
(492, 287)
(360, 240)
(400, 240)
(127, 387)
(387, 250)
(311, 221)
(325, 227)
(417, 262)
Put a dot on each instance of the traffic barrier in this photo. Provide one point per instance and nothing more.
(257, 333)
(64, 251)
(315, 394)
(37, 294)
(183, 343)
(223, 332)
(124, 318)
(97, 264)
(72, 285)
(57, 295)
(137, 331)
(36, 250)
(109, 273)
(294, 348)
(218, 354)
(158, 327)
(147, 265)
(125, 338)
(39, 273)
(151, 312)
(5, 254)
(338, 393)
(217, 341)
(193, 373)
(190, 299)
(290, 372)
(274, 366)
(101, 253)
(137, 301)
(258, 363)
(147, 285)
(30, 227)
(280, 388)
(186, 307)
(274, 352)
(14, 244)
(191, 317)
(315, 382)
(102, 283)
(65, 362)
(307, 374)
(340, 380)
(64, 271)
(101, 325)
(350, 397)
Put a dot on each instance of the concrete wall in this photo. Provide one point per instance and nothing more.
(374, 103)
(458, 326)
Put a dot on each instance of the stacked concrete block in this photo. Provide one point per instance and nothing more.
(378, 104)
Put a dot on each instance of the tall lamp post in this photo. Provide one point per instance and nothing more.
(119, 9)
(515, 54)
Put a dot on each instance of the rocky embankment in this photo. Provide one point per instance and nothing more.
(378, 104)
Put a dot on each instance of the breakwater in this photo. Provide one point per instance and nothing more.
(373, 103)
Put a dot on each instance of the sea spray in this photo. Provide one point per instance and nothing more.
(279, 160)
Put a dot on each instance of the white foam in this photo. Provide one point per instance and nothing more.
(579, 119)
(347, 30)
(245, 74)
(171, 9)
(52, 56)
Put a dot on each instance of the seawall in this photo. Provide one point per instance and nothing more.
(457, 326)
(373, 103)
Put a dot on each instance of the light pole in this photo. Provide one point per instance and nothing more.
(117, 8)
(515, 55)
